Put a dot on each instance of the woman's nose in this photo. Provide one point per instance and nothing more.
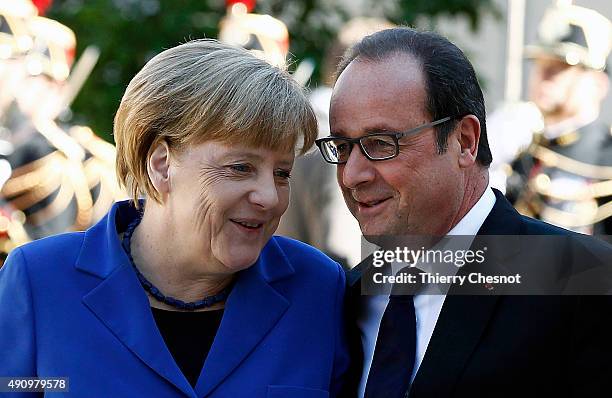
(265, 193)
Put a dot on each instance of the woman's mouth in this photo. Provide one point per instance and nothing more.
(248, 226)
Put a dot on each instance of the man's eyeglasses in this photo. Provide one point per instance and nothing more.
(375, 146)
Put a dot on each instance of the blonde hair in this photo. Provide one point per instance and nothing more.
(206, 90)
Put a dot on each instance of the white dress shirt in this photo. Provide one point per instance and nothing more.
(427, 306)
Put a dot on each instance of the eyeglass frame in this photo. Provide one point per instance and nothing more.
(396, 137)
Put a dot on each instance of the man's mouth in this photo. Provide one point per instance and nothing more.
(371, 208)
(371, 203)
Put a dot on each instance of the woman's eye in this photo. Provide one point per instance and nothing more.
(241, 168)
(284, 174)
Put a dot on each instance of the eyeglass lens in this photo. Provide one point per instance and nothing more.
(375, 146)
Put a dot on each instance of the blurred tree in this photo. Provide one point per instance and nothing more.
(130, 32)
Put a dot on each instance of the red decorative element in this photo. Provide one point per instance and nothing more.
(250, 4)
(70, 54)
(42, 5)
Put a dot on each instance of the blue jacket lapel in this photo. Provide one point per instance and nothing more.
(122, 306)
(118, 300)
(253, 308)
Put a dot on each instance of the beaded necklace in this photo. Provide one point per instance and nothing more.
(155, 292)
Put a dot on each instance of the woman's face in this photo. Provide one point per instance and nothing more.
(226, 202)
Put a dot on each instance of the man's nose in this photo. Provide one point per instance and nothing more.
(357, 169)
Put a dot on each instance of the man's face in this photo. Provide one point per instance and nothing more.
(419, 191)
(559, 89)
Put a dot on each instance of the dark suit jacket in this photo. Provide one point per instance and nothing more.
(508, 346)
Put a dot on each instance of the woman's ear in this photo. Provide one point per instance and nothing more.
(158, 167)
(468, 130)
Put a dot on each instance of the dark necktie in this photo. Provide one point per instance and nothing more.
(393, 360)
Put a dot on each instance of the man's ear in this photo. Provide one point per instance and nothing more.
(158, 167)
(468, 130)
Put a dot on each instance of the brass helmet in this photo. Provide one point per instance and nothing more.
(264, 35)
(53, 48)
(576, 35)
(14, 35)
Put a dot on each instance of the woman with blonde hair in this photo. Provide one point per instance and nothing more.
(183, 290)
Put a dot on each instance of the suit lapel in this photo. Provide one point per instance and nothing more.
(464, 318)
(457, 332)
(503, 218)
(253, 308)
(119, 301)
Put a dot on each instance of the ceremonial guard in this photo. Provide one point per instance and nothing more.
(264, 35)
(61, 178)
(564, 177)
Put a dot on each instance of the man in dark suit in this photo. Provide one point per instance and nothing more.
(409, 139)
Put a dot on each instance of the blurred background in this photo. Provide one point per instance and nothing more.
(514, 22)
(129, 32)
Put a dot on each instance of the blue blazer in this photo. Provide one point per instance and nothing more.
(72, 306)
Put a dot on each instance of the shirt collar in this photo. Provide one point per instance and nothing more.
(473, 220)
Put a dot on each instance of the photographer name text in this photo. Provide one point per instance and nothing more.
(437, 278)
